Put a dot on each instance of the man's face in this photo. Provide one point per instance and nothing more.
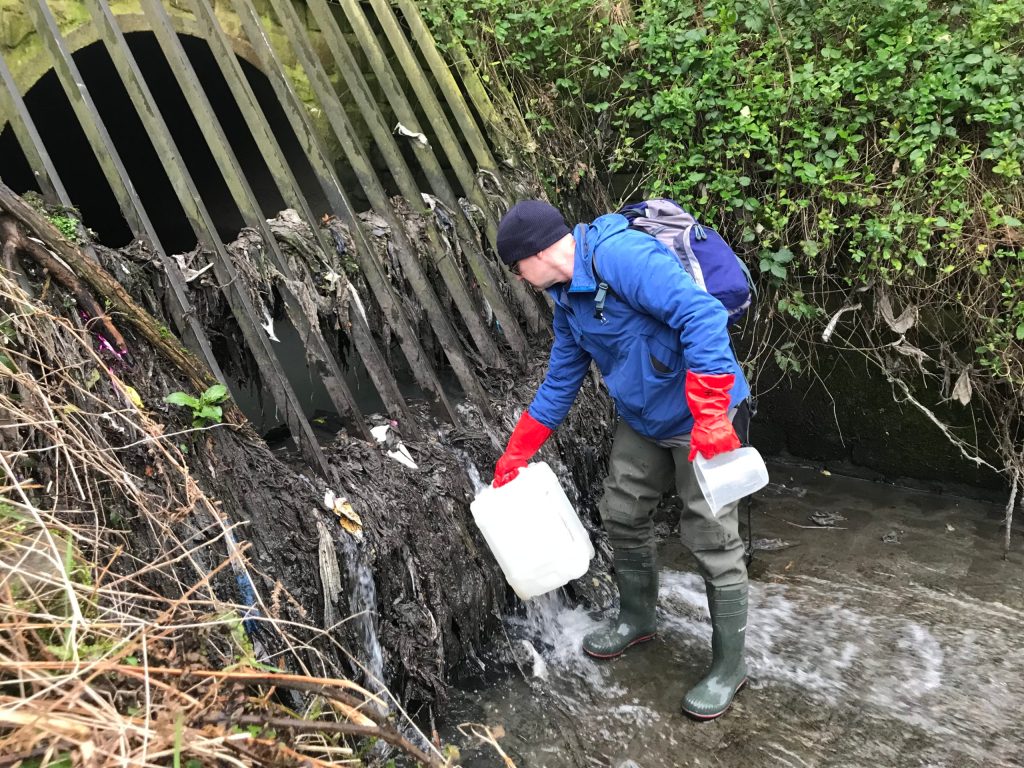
(539, 270)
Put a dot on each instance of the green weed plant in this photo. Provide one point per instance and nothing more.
(206, 409)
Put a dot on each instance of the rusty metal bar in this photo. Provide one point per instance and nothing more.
(504, 136)
(428, 101)
(228, 278)
(431, 167)
(358, 159)
(440, 322)
(377, 366)
(450, 143)
(287, 183)
(117, 177)
(449, 87)
(252, 111)
(309, 327)
(499, 129)
(12, 105)
(449, 270)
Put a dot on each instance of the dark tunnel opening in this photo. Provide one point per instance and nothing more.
(68, 147)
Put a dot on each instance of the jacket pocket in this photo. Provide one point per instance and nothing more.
(663, 380)
(663, 360)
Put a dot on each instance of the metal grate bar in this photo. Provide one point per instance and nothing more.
(117, 177)
(431, 167)
(446, 136)
(386, 142)
(309, 329)
(377, 367)
(12, 105)
(358, 159)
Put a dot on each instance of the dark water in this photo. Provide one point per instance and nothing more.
(893, 638)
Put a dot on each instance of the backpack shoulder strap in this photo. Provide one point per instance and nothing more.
(603, 289)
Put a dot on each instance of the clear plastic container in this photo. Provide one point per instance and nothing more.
(730, 476)
(533, 531)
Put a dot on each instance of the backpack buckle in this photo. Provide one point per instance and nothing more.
(599, 299)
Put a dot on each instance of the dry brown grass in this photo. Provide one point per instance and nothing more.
(108, 656)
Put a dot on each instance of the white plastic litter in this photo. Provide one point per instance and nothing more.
(268, 326)
(400, 453)
(533, 531)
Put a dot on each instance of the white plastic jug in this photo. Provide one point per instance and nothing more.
(730, 476)
(533, 531)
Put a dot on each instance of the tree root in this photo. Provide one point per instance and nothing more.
(15, 242)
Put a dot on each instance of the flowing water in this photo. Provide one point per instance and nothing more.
(892, 638)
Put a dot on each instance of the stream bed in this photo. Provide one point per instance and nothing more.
(891, 637)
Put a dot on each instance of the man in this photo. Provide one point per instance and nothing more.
(662, 346)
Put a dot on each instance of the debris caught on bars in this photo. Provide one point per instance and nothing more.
(830, 328)
(357, 301)
(401, 130)
(347, 516)
(395, 448)
(268, 326)
(187, 272)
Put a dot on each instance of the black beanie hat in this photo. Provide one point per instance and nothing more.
(528, 228)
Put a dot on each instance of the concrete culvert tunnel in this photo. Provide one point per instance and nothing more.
(76, 164)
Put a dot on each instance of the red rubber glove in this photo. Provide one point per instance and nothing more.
(707, 394)
(527, 438)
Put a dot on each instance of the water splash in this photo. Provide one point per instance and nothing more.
(901, 653)
(555, 632)
(890, 666)
(363, 604)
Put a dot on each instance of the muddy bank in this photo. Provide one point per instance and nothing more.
(437, 594)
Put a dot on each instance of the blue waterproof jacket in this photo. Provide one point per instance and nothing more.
(657, 325)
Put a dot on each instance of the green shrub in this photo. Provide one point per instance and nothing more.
(867, 152)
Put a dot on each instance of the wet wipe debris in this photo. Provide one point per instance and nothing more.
(826, 519)
(772, 545)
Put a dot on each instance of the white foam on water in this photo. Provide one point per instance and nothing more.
(556, 632)
(899, 652)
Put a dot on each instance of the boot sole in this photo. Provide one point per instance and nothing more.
(630, 644)
(704, 718)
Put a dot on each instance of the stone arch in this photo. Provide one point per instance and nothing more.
(29, 63)
(77, 167)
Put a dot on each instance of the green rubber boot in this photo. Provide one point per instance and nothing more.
(713, 695)
(637, 577)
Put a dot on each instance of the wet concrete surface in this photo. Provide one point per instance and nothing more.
(892, 638)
